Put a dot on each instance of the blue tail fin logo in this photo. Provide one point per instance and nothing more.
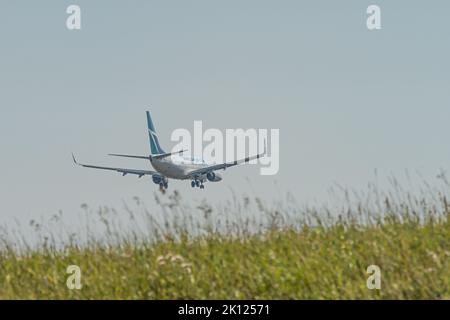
(155, 148)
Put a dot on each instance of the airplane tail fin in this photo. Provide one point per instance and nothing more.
(155, 148)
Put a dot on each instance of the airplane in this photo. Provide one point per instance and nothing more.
(173, 165)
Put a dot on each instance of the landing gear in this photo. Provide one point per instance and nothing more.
(197, 183)
(163, 185)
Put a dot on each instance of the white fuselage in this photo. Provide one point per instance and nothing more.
(177, 167)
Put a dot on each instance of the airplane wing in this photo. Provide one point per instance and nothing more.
(123, 171)
(215, 167)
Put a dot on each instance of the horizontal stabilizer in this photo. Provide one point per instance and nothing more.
(129, 156)
(165, 155)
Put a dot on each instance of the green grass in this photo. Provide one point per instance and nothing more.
(291, 255)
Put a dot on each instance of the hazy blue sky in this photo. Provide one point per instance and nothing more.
(347, 100)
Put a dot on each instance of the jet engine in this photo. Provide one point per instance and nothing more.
(213, 177)
(157, 179)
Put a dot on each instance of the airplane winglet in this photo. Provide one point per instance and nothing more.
(74, 160)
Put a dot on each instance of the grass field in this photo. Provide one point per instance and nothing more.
(280, 252)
